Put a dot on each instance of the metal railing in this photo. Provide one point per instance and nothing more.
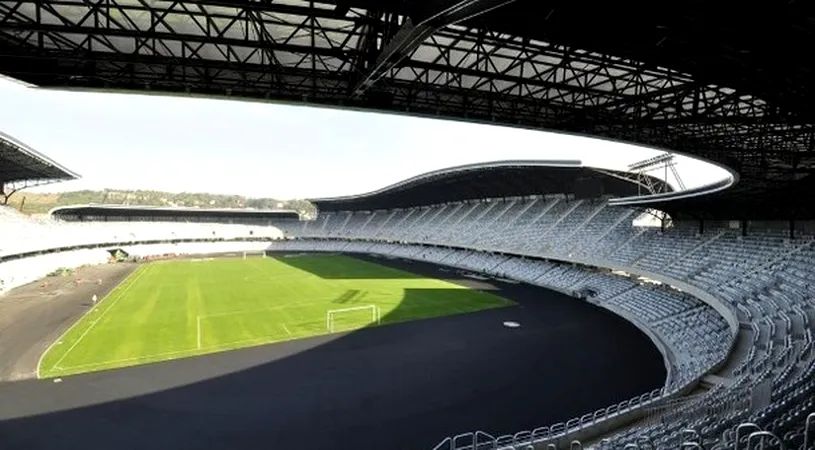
(531, 439)
(744, 436)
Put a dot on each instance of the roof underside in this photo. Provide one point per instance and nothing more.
(99, 212)
(727, 81)
(19, 163)
(489, 181)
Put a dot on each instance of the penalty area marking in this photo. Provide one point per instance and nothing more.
(511, 324)
(198, 333)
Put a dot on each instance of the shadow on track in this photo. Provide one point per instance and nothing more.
(403, 386)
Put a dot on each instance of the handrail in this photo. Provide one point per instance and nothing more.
(691, 445)
(646, 440)
(690, 435)
(566, 428)
(741, 427)
(760, 436)
(561, 429)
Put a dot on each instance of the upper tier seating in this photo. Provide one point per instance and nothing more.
(22, 234)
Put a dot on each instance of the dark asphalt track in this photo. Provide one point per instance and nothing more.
(34, 316)
(403, 386)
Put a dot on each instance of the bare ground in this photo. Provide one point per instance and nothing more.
(35, 315)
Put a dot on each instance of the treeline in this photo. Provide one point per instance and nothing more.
(36, 203)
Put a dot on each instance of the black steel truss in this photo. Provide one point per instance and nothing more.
(409, 36)
(301, 51)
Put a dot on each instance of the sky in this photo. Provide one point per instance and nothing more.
(263, 149)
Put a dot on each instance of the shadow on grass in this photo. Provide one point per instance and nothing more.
(403, 386)
(358, 266)
(343, 267)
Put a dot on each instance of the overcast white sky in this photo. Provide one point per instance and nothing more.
(179, 144)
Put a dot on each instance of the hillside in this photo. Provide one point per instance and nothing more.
(39, 203)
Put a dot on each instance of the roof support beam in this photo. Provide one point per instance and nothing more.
(166, 36)
(411, 35)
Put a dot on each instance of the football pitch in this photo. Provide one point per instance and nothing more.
(176, 309)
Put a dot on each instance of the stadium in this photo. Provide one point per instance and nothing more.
(509, 304)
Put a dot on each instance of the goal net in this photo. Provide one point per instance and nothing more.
(351, 318)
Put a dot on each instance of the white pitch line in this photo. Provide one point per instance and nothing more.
(285, 328)
(113, 362)
(302, 305)
(182, 353)
(198, 330)
(73, 325)
(93, 324)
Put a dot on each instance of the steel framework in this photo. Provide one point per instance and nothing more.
(441, 65)
(640, 170)
(22, 167)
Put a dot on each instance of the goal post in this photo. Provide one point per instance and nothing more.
(352, 318)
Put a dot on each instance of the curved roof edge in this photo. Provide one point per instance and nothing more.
(134, 210)
(662, 200)
(428, 176)
(699, 191)
(496, 179)
(60, 172)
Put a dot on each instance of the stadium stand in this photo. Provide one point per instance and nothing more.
(46, 234)
(695, 334)
(21, 167)
(697, 337)
(119, 213)
(722, 82)
(761, 279)
(31, 248)
(729, 309)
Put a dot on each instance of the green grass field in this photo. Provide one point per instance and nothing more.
(175, 309)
